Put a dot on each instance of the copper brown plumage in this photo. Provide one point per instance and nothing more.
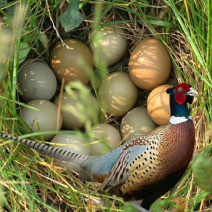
(144, 168)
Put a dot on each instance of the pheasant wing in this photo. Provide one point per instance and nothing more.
(121, 170)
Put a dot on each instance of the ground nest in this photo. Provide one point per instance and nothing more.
(30, 182)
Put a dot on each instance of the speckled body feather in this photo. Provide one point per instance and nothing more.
(144, 168)
(146, 163)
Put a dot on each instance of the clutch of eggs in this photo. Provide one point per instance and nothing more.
(71, 142)
(43, 119)
(149, 64)
(72, 60)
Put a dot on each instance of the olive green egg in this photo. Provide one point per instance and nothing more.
(77, 110)
(117, 94)
(107, 137)
(36, 81)
(136, 123)
(44, 117)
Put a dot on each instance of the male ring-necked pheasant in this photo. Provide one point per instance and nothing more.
(144, 168)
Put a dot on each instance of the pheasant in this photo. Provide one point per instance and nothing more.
(144, 168)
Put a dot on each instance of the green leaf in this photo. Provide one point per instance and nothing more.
(162, 23)
(71, 18)
(44, 40)
(23, 52)
(202, 169)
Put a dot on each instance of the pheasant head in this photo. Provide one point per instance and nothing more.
(179, 97)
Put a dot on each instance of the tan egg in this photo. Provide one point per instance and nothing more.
(71, 142)
(43, 119)
(73, 63)
(107, 138)
(158, 105)
(118, 94)
(110, 45)
(77, 111)
(149, 64)
(136, 123)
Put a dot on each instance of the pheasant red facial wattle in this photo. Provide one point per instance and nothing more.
(180, 92)
(144, 168)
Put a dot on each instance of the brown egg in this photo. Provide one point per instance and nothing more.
(149, 64)
(110, 45)
(107, 138)
(72, 63)
(118, 94)
(136, 123)
(158, 105)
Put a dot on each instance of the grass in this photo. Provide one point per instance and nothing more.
(32, 183)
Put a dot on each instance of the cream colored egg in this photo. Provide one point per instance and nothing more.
(149, 64)
(118, 94)
(44, 119)
(158, 105)
(74, 143)
(72, 63)
(77, 110)
(136, 123)
(107, 138)
(36, 81)
(110, 45)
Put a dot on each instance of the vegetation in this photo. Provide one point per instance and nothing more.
(30, 182)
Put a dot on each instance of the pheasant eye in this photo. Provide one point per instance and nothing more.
(180, 89)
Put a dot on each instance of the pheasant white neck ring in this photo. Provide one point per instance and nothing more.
(179, 120)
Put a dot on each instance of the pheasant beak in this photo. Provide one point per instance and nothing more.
(192, 92)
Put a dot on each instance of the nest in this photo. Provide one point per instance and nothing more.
(53, 188)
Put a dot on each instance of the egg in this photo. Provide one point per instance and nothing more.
(72, 63)
(136, 123)
(107, 138)
(158, 105)
(110, 45)
(77, 110)
(36, 81)
(149, 64)
(117, 94)
(71, 142)
(45, 119)
(159, 129)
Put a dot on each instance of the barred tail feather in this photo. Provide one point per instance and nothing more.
(48, 150)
